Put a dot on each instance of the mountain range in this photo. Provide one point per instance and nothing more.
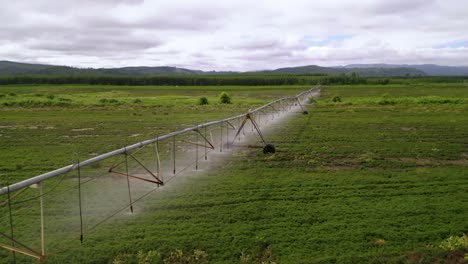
(428, 69)
(9, 68)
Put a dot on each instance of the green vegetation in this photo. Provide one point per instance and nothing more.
(225, 98)
(80, 96)
(455, 243)
(336, 99)
(203, 101)
(186, 80)
(252, 79)
(358, 180)
(154, 257)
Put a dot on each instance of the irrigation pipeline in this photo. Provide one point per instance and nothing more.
(38, 179)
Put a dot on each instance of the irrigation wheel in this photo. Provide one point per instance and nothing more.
(269, 148)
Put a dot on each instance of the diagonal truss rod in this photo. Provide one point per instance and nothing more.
(156, 178)
(257, 128)
(230, 125)
(20, 248)
(210, 145)
(300, 104)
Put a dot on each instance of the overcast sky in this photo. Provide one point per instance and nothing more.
(233, 35)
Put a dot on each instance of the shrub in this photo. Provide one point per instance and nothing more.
(12, 94)
(2, 95)
(203, 101)
(51, 96)
(225, 98)
(387, 100)
(136, 101)
(336, 99)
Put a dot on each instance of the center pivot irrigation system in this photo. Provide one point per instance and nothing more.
(136, 170)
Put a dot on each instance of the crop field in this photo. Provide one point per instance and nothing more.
(374, 174)
(40, 133)
(46, 127)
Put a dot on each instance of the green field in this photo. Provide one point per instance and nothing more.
(34, 122)
(374, 174)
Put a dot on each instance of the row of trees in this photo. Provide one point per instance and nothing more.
(201, 80)
(354, 78)
(156, 80)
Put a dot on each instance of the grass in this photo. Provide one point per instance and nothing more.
(150, 96)
(352, 182)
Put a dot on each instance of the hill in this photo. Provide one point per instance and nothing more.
(8, 68)
(363, 71)
(308, 69)
(428, 69)
(16, 68)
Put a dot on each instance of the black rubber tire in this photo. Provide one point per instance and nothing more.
(269, 149)
(305, 112)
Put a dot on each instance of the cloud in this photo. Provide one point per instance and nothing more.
(400, 6)
(233, 35)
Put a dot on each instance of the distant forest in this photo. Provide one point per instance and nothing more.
(228, 79)
(184, 80)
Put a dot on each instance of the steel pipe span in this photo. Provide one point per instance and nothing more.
(71, 167)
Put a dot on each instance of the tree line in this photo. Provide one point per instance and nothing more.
(185, 80)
